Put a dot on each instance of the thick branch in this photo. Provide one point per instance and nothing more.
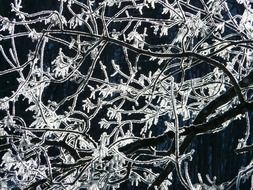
(36, 184)
(170, 167)
(244, 149)
(192, 131)
(143, 143)
(221, 100)
(61, 144)
(215, 123)
(64, 145)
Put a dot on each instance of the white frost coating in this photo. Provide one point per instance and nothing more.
(93, 94)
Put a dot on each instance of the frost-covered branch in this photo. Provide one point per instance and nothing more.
(104, 94)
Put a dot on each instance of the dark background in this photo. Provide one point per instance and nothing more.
(214, 154)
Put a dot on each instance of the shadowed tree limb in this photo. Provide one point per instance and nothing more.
(221, 100)
(196, 129)
(215, 122)
(143, 143)
(36, 184)
(201, 117)
(192, 131)
(61, 144)
(244, 149)
(170, 166)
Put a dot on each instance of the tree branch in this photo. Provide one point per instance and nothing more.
(62, 144)
(214, 123)
(143, 143)
(244, 149)
(221, 100)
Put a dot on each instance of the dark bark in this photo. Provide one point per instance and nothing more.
(221, 100)
(244, 149)
(143, 143)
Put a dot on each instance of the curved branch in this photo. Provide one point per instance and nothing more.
(143, 143)
(221, 100)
